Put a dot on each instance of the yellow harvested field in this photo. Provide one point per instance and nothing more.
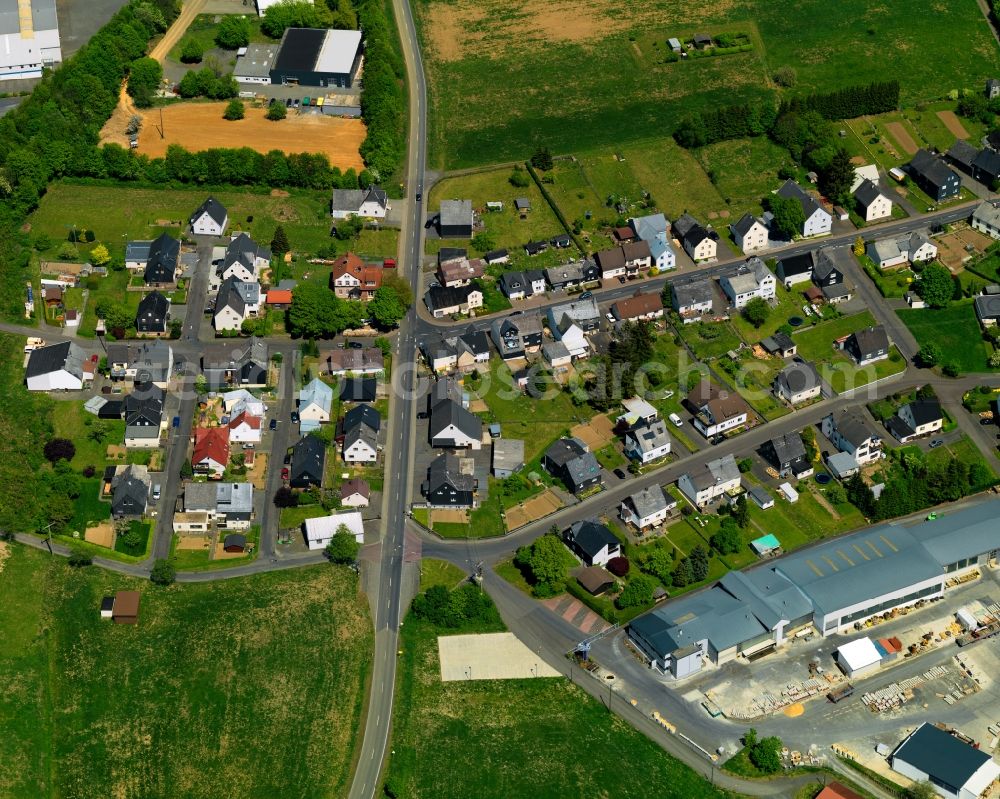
(200, 126)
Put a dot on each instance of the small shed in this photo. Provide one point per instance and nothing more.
(762, 497)
(595, 580)
(494, 205)
(675, 44)
(858, 658)
(765, 545)
(235, 542)
(522, 204)
(107, 606)
(495, 430)
(126, 607)
(702, 40)
(790, 493)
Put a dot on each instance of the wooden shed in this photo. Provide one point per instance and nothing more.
(234, 542)
(126, 608)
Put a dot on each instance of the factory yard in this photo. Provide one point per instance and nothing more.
(200, 126)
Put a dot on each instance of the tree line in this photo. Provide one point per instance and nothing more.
(382, 99)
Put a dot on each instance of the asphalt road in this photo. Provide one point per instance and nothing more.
(392, 577)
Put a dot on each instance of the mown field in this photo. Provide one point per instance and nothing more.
(509, 738)
(505, 79)
(955, 330)
(255, 684)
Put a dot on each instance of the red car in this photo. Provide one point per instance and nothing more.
(284, 472)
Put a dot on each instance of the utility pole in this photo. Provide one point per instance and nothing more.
(48, 537)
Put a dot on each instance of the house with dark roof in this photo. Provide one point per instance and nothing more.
(454, 427)
(798, 382)
(358, 389)
(611, 262)
(871, 202)
(698, 242)
(516, 335)
(962, 154)
(449, 483)
(794, 269)
(987, 309)
(788, 454)
(57, 367)
(922, 417)
(443, 301)
(245, 259)
(307, 463)
(235, 364)
(370, 203)
(986, 167)
(868, 345)
(716, 410)
(932, 175)
(455, 219)
(646, 507)
(692, 298)
(497, 257)
(129, 492)
(151, 317)
(647, 442)
(818, 221)
(850, 431)
(955, 768)
(143, 410)
(825, 271)
(360, 435)
(210, 218)
(595, 580)
(780, 344)
(750, 233)
(592, 542)
(569, 460)
(164, 258)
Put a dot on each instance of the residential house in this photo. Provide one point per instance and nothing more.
(569, 460)
(319, 532)
(460, 271)
(561, 241)
(228, 505)
(210, 218)
(707, 483)
(361, 428)
(129, 491)
(961, 154)
(355, 493)
(638, 256)
(751, 280)
(143, 410)
(149, 362)
(795, 269)
(211, 450)
(245, 428)
(235, 364)
(788, 454)
(358, 389)
(611, 262)
(647, 228)
(161, 265)
(662, 253)
(353, 361)
(450, 483)
(472, 350)
(638, 413)
(521, 285)
(750, 233)
(868, 345)
(872, 203)
(353, 279)
(648, 442)
(986, 168)
(692, 299)
(716, 410)
(818, 221)
(556, 354)
(315, 401)
(592, 542)
(278, 299)
(699, 243)
(915, 419)
(455, 219)
(825, 272)
(583, 313)
(136, 255)
(647, 507)
(439, 353)
(780, 344)
(988, 309)
(308, 460)
(151, 317)
(57, 367)
(442, 301)
(454, 427)
(867, 172)
(236, 402)
(235, 302)
(986, 218)
(516, 335)
(933, 177)
(370, 203)
(851, 432)
(574, 339)
(798, 382)
(508, 457)
(245, 260)
(639, 306)
(522, 205)
(567, 276)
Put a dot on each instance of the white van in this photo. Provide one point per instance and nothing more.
(156, 492)
(676, 419)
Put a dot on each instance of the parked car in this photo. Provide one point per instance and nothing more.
(288, 102)
(422, 414)
(355, 345)
(273, 425)
(619, 474)
(284, 472)
(677, 421)
(176, 423)
(586, 295)
(295, 417)
(621, 280)
(156, 492)
(986, 422)
(937, 442)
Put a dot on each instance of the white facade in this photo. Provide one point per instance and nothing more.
(906, 414)
(663, 254)
(451, 433)
(756, 238)
(576, 342)
(880, 208)
(319, 532)
(704, 251)
(244, 432)
(60, 380)
(360, 451)
(34, 45)
(226, 318)
(818, 223)
(204, 225)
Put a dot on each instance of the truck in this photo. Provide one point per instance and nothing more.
(840, 692)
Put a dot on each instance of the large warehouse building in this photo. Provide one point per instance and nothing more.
(830, 586)
(316, 57)
(29, 38)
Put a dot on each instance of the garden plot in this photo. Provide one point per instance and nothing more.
(489, 656)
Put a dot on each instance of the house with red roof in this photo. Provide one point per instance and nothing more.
(211, 450)
(245, 428)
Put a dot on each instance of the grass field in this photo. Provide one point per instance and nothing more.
(498, 83)
(117, 213)
(955, 330)
(439, 572)
(506, 738)
(255, 684)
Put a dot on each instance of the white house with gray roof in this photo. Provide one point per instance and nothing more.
(692, 299)
(850, 431)
(370, 203)
(752, 279)
(704, 484)
(872, 203)
(818, 221)
(210, 218)
(648, 442)
(986, 218)
(57, 367)
(798, 382)
(647, 507)
(750, 233)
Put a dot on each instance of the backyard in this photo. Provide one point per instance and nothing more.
(955, 330)
(256, 684)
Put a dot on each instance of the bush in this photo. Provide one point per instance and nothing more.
(233, 33)
(234, 110)
(343, 547)
(618, 566)
(519, 179)
(192, 52)
(637, 593)
(276, 111)
(284, 497)
(163, 572)
(453, 609)
(79, 559)
(57, 449)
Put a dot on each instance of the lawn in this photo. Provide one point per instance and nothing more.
(203, 29)
(381, 243)
(292, 518)
(88, 507)
(89, 434)
(753, 379)
(575, 194)
(516, 737)
(892, 283)
(787, 303)
(743, 172)
(709, 340)
(118, 213)
(256, 684)
(954, 329)
(198, 559)
(505, 227)
(498, 82)
(439, 572)
(484, 522)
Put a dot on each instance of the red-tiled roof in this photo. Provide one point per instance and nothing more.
(211, 443)
(252, 421)
(278, 297)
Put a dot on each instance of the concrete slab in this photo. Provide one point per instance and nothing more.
(492, 656)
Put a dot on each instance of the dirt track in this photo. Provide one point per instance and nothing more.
(200, 126)
(902, 135)
(953, 123)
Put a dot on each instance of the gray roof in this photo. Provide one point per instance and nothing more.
(788, 447)
(164, 252)
(692, 292)
(230, 297)
(957, 536)
(962, 152)
(798, 376)
(257, 61)
(456, 212)
(741, 226)
(557, 275)
(200, 496)
(439, 297)
(648, 227)
(742, 282)
(137, 250)
(576, 311)
(867, 193)
(854, 426)
(43, 16)
(151, 316)
(216, 210)
(683, 224)
(870, 340)
(719, 470)
(648, 501)
(932, 169)
(244, 250)
(572, 455)
(943, 757)
(363, 433)
(448, 412)
(152, 362)
(988, 306)
(793, 190)
(555, 350)
(362, 415)
(508, 454)
(445, 470)
(924, 411)
(234, 498)
(353, 199)
(65, 355)
(590, 536)
(987, 213)
(130, 489)
(648, 437)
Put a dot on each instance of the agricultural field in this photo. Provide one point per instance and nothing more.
(955, 330)
(256, 684)
(459, 739)
(505, 228)
(496, 73)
